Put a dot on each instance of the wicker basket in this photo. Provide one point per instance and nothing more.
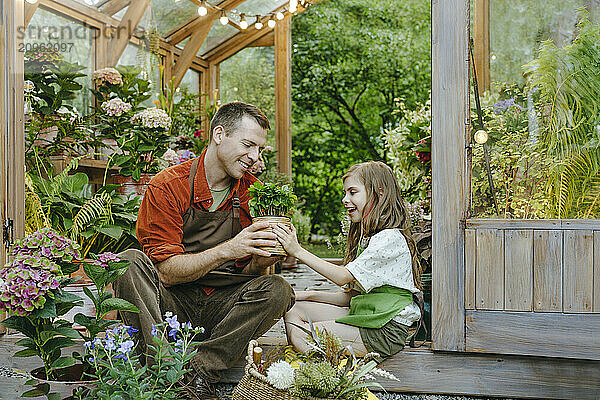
(278, 249)
(254, 385)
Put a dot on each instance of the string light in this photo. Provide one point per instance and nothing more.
(293, 6)
(224, 19)
(202, 10)
(243, 22)
(481, 136)
(32, 1)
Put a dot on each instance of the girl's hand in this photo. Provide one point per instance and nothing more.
(287, 238)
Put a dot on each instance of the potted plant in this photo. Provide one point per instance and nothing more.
(31, 290)
(271, 203)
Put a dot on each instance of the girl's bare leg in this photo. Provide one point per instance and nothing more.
(322, 315)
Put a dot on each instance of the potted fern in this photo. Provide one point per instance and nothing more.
(272, 203)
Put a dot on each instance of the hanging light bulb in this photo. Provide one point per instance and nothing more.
(202, 10)
(481, 136)
(224, 19)
(258, 24)
(293, 6)
(271, 23)
(243, 22)
(32, 1)
(280, 15)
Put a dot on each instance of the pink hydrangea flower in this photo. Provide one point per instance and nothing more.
(115, 107)
(153, 118)
(107, 75)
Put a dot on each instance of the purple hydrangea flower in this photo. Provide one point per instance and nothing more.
(23, 288)
(49, 244)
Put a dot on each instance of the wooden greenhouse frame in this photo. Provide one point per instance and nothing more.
(515, 303)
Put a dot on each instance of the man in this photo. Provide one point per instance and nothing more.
(202, 257)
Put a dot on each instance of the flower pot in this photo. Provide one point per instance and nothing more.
(129, 186)
(277, 250)
(70, 379)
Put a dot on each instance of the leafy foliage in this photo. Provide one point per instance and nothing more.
(270, 199)
(351, 60)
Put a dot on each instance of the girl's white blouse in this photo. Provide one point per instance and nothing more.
(387, 261)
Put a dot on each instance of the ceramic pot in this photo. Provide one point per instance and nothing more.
(129, 186)
(70, 379)
(278, 249)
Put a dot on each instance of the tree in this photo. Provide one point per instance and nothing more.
(351, 59)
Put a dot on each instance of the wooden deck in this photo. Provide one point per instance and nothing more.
(421, 370)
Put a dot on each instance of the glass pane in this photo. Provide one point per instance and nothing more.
(191, 81)
(217, 34)
(168, 14)
(540, 93)
(250, 76)
(73, 41)
(148, 63)
(89, 2)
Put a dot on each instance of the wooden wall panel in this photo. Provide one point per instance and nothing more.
(547, 270)
(596, 307)
(470, 264)
(518, 270)
(450, 111)
(489, 280)
(283, 95)
(578, 264)
(537, 334)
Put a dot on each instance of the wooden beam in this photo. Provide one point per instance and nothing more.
(125, 29)
(29, 11)
(187, 28)
(267, 40)
(189, 53)
(114, 6)
(481, 42)
(283, 95)
(450, 112)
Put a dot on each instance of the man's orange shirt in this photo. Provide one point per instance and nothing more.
(159, 225)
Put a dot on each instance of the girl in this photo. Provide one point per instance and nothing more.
(381, 272)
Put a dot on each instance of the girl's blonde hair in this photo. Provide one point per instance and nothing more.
(385, 209)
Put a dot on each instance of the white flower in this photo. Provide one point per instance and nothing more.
(168, 314)
(107, 75)
(153, 118)
(115, 107)
(281, 375)
(171, 157)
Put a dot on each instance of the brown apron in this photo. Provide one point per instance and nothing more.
(203, 230)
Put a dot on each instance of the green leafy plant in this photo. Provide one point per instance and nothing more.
(118, 369)
(271, 199)
(568, 80)
(103, 271)
(98, 222)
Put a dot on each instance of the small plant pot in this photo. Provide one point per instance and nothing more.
(70, 379)
(278, 249)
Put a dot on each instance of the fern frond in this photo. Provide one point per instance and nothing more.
(35, 217)
(98, 208)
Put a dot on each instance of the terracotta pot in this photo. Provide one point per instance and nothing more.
(70, 379)
(129, 186)
(277, 250)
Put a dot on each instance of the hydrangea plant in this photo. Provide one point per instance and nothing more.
(31, 288)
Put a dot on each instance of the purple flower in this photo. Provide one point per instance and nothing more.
(173, 333)
(109, 344)
(154, 331)
(88, 345)
(126, 347)
(187, 326)
(504, 105)
(131, 330)
(179, 345)
(173, 323)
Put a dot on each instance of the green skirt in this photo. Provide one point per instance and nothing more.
(387, 340)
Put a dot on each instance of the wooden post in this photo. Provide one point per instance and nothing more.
(283, 95)
(124, 31)
(450, 111)
(481, 42)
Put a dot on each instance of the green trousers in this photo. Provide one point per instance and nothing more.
(231, 315)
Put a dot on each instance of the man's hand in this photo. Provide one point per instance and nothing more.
(250, 240)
